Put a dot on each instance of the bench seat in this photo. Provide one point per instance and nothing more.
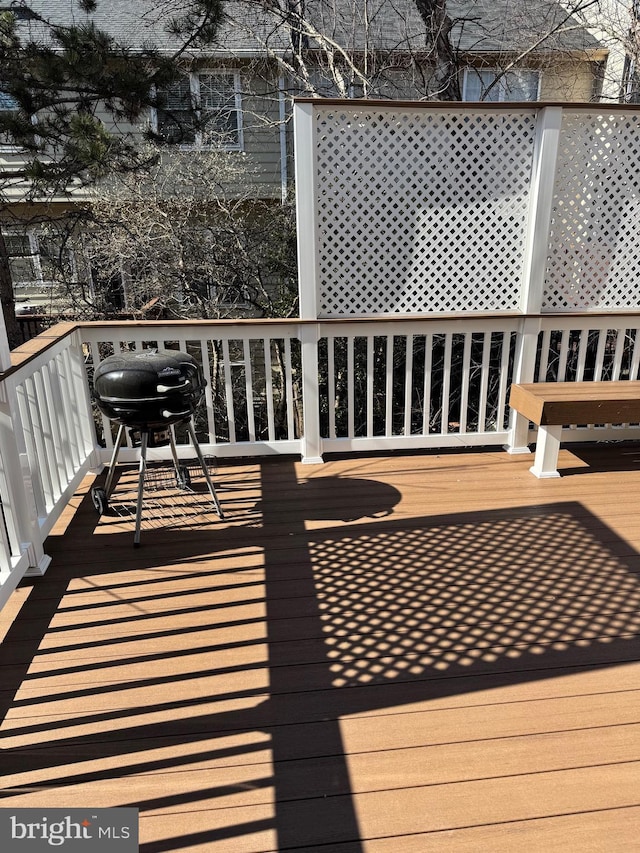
(552, 405)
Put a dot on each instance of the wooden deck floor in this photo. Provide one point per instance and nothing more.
(432, 652)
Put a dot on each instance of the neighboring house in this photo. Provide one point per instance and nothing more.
(238, 96)
(616, 25)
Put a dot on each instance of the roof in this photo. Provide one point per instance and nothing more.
(516, 25)
(479, 26)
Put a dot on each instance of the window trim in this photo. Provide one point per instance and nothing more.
(194, 87)
(501, 83)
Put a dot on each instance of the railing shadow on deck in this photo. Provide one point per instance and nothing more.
(385, 612)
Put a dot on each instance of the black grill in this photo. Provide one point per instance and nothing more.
(150, 389)
(149, 392)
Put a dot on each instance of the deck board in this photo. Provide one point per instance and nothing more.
(377, 655)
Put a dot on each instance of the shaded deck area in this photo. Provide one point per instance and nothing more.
(400, 654)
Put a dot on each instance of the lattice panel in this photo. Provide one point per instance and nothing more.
(421, 211)
(594, 249)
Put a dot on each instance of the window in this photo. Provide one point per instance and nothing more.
(24, 262)
(202, 109)
(520, 84)
(37, 259)
(8, 109)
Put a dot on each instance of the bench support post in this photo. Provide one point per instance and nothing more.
(547, 446)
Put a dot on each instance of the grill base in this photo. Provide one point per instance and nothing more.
(156, 437)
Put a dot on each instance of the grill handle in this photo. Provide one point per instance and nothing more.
(167, 414)
(164, 389)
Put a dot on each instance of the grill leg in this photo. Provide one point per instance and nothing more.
(174, 453)
(205, 470)
(114, 458)
(144, 440)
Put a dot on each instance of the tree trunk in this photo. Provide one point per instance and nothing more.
(7, 298)
(438, 23)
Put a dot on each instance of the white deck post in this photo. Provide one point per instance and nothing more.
(525, 362)
(311, 439)
(543, 176)
(306, 209)
(535, 258)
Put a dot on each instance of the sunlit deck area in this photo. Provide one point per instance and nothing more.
(402, 652)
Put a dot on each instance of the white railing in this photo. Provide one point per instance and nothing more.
(252, 370)
(47, 444)
(314, 388)
(292, 387)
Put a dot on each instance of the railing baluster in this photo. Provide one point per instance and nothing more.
(583, 342)
(501, 418)
(350, 388)
(388, 395)
(228, 386)
(408, 383)
(484, 382)
(331, 384)
(562, 360)
(618, 354)
(464, 390)
(446, 383)
(370, 386)
(602, 343)
(426, 386)
(268, 388)
(208, 365)
(288, 376)
(248, 386)
(544, 356)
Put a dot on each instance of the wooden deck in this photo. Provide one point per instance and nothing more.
(403, 654)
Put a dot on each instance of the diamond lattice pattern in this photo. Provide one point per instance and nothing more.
(421, 211)
(593, 250)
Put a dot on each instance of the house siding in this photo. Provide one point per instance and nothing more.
(568, 81)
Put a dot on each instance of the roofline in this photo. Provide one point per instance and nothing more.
(262, 53)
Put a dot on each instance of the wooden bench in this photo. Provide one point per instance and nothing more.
(552, 405)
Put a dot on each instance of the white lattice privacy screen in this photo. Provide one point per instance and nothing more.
(594, 239)
(420, 209)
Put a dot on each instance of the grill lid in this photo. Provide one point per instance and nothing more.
(148, 389)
